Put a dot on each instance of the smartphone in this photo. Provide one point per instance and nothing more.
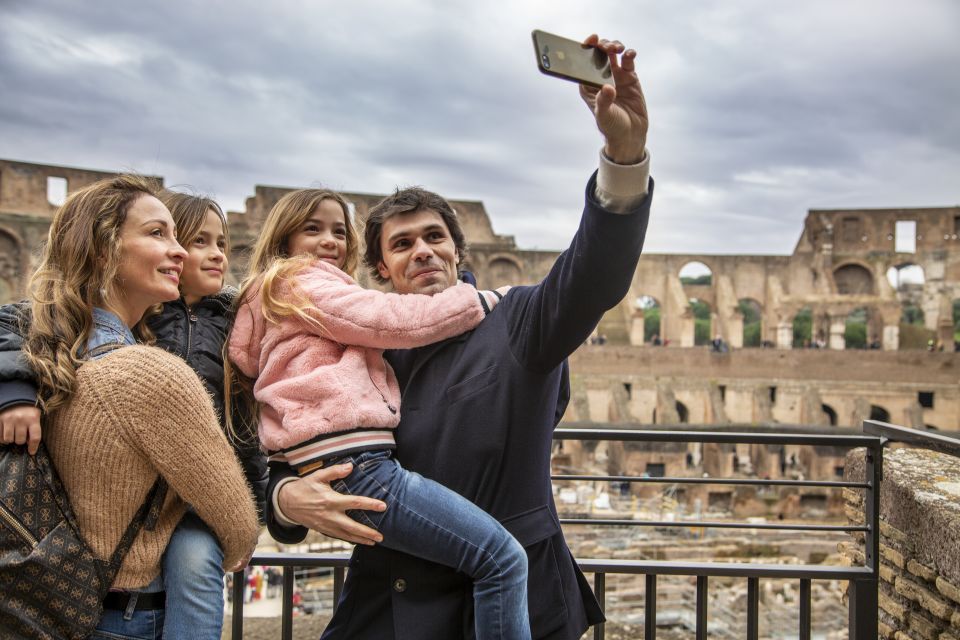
(571, 60)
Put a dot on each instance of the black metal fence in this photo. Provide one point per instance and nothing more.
(862, 580)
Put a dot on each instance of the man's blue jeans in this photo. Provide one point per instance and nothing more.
(427, 520)
(193, 580)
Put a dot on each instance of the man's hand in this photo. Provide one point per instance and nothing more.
(621, 112)
(313, 503)
(21, 425)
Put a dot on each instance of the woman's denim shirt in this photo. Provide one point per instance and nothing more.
(108, 329)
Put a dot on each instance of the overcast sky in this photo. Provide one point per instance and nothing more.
(759, 110)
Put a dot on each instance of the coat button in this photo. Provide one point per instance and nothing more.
(399, 585)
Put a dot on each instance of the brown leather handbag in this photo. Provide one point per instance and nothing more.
(52, 585)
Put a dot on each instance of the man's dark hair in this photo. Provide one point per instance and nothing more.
(409, 200)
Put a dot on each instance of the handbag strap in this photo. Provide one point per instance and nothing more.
(145, 518)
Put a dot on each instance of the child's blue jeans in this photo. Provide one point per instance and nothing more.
(193, 580)
(427, 520)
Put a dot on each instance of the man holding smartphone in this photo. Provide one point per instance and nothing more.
(479, 409)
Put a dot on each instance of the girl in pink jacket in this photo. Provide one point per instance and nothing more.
(313, 341)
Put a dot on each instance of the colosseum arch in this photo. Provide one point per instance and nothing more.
(695, 272)
(879, 413)
(853, 279)
(649, 312)
(502, 270)
(702, 321)
(752, 313)
(11, 265)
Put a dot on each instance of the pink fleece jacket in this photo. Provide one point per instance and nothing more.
(312, 381)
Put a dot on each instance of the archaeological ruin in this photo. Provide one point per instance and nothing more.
(859, 322)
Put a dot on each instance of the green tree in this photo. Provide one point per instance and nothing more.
(802, 327)
(651, 323)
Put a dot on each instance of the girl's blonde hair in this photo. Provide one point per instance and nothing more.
(77, 272)
(270, 266)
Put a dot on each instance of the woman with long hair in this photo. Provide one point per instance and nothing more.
(119, 415)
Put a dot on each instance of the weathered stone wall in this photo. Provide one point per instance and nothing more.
(919, 543)
(756, 386)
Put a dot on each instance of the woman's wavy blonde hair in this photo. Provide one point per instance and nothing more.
(271, 266)
(77, 272)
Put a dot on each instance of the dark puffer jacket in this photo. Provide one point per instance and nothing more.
(195, 334)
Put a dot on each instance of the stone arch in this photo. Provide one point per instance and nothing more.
(856, 333)
(830, 414)
(695, 272)
(11, 265)
(853, 279)
(752, 312)
(879, 413)
(803, 336)
(649, 311)
(702, 321)
(503, 270)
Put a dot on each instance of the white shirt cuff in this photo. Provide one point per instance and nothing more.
(277, 513)
(621, 187)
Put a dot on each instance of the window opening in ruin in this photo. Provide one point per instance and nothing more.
(683, 412)
(905, 236)
(925, 398)
(56, 190)
(850, 230)
(773, 395)
(879, 413)
(656, 470)
(813, 502)
(723, 392)
(652, 333)
(803, 329)
(628, 387)
(701, 322)
(751, 312)
(696, 273)
(838, 471)
(830, 414)
(719, 500)
(855, 331)
(906, 278)
(956, 226)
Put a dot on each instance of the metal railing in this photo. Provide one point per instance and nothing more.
(862, 580)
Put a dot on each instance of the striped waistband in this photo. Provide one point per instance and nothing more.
(310, 455)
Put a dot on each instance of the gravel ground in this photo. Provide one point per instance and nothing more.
(310, 628)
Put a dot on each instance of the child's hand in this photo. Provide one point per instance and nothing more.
(20, 424)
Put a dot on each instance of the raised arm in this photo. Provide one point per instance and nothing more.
(549, 321)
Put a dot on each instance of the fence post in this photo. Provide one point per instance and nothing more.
(863, 593)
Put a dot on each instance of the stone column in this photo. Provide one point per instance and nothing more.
(784, 335)
(838, 324)
(636, 328)
(891, 337)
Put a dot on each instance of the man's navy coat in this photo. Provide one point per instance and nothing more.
(478, 413)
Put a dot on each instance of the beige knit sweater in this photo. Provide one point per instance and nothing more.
(137, 412)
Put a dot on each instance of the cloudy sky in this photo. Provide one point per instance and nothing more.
(759, 110)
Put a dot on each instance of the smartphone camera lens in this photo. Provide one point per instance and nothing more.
(545, 59)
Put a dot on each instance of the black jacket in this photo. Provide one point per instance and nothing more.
(197, 335)
(478, 413)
